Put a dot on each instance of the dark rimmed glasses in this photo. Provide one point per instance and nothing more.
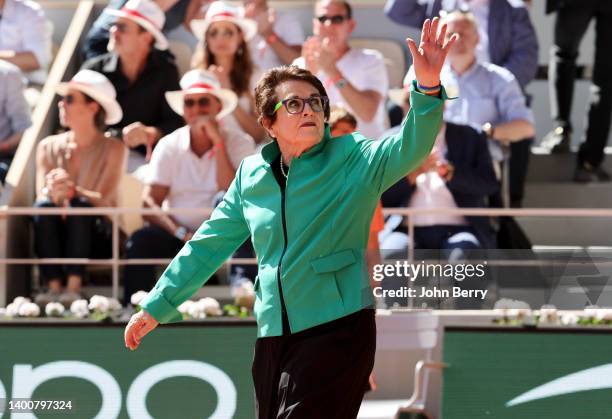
(296, 105)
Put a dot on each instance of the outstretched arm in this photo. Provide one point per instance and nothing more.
(392, 158)
(201, 256)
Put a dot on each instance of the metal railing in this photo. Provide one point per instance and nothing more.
(114, 214)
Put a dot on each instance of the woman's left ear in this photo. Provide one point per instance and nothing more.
(267, 125)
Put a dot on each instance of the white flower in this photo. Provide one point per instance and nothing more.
(519, 313)
(210, 306)
(548, 314)
(12, 310)
(54, 309)
(99, 303)
(115, 305)
(79, 308)
(137, 297)
(603, 314)
(185, 307)
(18, 301)
(29, 310)
(507, 303)
(196, 311)
(570, 319)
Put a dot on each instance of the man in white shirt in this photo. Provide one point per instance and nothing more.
(354, 78)
(279, 36)
(189, 168)
(25, 38)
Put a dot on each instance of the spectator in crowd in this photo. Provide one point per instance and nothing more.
(489, 95)
(25, 38)
(223, 50)
(505, 32)
(14, 114)
(79, 168)
(506, 38)
(354, 78)
(572, 21)
(279, 36)
(177, 12)
(189, 168)
(457, 174)
(141, 74)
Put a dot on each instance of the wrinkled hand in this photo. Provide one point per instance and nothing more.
(135, 134)
(222, 74)
(428, 58)
(138, 327)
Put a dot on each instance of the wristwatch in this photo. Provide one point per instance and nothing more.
(180, 233)
(488, 129)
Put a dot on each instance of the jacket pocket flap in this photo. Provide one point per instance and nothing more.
(333, 262)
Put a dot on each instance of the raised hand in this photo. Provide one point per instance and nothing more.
(429, 56)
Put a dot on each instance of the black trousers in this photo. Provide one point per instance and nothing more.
(321, 372)
(570, 26)
(77, 236)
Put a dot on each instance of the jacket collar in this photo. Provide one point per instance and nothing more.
(271, 151)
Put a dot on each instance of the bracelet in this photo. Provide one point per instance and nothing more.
(428, 90)
(339, 81)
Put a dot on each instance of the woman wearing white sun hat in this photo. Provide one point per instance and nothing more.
(78, 168)
(223, 50)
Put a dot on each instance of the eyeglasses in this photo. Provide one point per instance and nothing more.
(296, 105)
(203, 102)
(335, 20)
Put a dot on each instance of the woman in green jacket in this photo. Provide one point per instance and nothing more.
(306, 202)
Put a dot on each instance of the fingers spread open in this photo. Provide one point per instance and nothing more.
(450, 42)
(434, 29)
(442, 34)
(425, 31)
(414, 50)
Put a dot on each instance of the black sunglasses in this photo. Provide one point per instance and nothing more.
(335, 20)
(203, 102)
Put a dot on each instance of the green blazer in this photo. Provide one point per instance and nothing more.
(311, 252)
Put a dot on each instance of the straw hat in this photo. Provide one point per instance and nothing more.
(97, 87)
(147, 14)
(220, 11)
(201, 81)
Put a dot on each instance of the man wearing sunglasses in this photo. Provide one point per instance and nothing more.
(188, 169)
(141, 73)
(355, 79)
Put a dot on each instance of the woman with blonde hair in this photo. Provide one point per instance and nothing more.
(223, 50)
